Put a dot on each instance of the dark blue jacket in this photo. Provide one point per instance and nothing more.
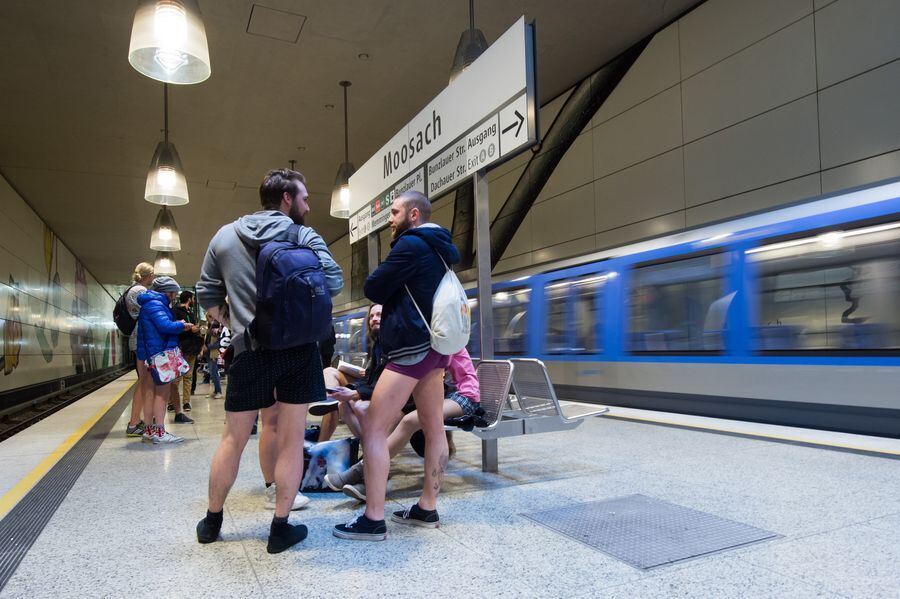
(157, 328)
(413, 261)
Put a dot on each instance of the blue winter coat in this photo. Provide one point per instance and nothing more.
(157, 328)
(414, 261)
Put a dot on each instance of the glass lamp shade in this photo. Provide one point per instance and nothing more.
(165, 236)
(340, 196)
(166, 184)
(471, 45)
(168, 41)
(164, 264)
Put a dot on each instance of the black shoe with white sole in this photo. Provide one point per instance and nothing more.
(416, 516)
(361, 529)
(320, 408)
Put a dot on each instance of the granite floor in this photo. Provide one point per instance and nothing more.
(127, 526)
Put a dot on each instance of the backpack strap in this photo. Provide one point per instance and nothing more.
(419, 310)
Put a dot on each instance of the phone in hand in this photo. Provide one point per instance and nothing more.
(332, 389)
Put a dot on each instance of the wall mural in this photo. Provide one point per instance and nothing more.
(55, 318)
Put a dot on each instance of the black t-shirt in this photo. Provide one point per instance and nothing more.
(190, 343)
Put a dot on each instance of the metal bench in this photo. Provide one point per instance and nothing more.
(537, 408)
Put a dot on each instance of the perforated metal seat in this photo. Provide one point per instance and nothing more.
(535, 393)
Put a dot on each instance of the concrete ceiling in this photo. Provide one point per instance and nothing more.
(79, 125)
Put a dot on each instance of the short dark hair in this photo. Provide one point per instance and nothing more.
(185, 296)
(414, 199)
(275, 183)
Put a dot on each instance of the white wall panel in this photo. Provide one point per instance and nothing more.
(642, 230)
(640, 192)
(886, 166)
(656, 69)
(514, 263)
(646, 130)
(564, 250)
(860, 117)
(853, 36)
(770, 73)
(574, 170)
(773, 147)
(760, 199)
(564, 217)
(718, 28)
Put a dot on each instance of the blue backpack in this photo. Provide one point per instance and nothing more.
(293, 306)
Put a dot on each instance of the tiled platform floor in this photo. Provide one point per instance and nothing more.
(127, 526)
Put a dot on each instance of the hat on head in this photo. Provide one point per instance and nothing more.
(166, 285)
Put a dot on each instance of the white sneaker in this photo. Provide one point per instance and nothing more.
(166, 437)
(300, 501)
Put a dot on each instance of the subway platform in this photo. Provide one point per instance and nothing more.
(89, 512)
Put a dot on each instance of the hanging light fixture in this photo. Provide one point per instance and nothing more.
(471, 45)
(164, 264)
(340, 196)
(168, 41)
(166, 184)
(165, 236)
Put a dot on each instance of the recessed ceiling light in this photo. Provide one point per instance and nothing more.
(301, 148)
(363, 56)
(329, 107)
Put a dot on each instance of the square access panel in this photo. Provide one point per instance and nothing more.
(275, 24)
(645, 532)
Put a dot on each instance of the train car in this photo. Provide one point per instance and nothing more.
(790, 316)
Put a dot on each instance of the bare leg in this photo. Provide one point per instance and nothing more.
(145, 381)
(227, 459)
(429, 396)
(391, 393)
(328, 425)
(137, 401)
(268, 443)
(289, 467)
(161, 393)
(175, 395)
(410, 424)
(349, 416)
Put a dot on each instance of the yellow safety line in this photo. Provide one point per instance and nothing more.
(754, 434)
(14, 495)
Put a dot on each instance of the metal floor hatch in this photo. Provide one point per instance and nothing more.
(645, 532)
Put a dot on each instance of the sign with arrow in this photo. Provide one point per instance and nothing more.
(487, 115)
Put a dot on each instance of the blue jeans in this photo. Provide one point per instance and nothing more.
(214, 375)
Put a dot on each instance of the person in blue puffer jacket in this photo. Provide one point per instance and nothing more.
(157, 332)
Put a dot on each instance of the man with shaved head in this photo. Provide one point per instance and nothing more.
(405, 284)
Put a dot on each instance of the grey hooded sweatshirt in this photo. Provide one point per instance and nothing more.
(229, 268)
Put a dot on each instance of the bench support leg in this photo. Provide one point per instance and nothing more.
(489, 455)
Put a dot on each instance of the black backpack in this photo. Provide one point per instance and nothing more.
(121, 316)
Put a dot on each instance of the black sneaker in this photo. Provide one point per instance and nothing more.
(361, 529)
(417, 517)
(187, 406)
(320, 408)
(208, 530)
(283, 536)
(182, 419)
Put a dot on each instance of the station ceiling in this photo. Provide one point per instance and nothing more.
(79, 124)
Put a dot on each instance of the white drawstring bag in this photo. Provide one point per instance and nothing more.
(451, 317)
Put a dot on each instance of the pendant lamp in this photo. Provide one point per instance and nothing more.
(166, 184)
(164, 264)
(340, 196)
(165, 236)
(168, 41)
(471, 45)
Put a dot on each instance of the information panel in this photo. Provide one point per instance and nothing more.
(486, 116)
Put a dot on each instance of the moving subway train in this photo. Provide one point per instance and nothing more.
(789, 317)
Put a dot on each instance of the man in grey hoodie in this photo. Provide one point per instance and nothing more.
(259, 376)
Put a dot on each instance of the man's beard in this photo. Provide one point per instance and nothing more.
(401, 227)
(294, 214)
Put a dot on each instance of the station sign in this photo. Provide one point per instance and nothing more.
(485, 116)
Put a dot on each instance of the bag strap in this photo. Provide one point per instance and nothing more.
(430, 332)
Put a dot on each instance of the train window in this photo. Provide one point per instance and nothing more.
(341, 335)
(509, 308)
(680, 306)
(835, 291)
(574, 307)
(357, 332)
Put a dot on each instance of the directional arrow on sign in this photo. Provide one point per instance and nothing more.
(517, 125)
